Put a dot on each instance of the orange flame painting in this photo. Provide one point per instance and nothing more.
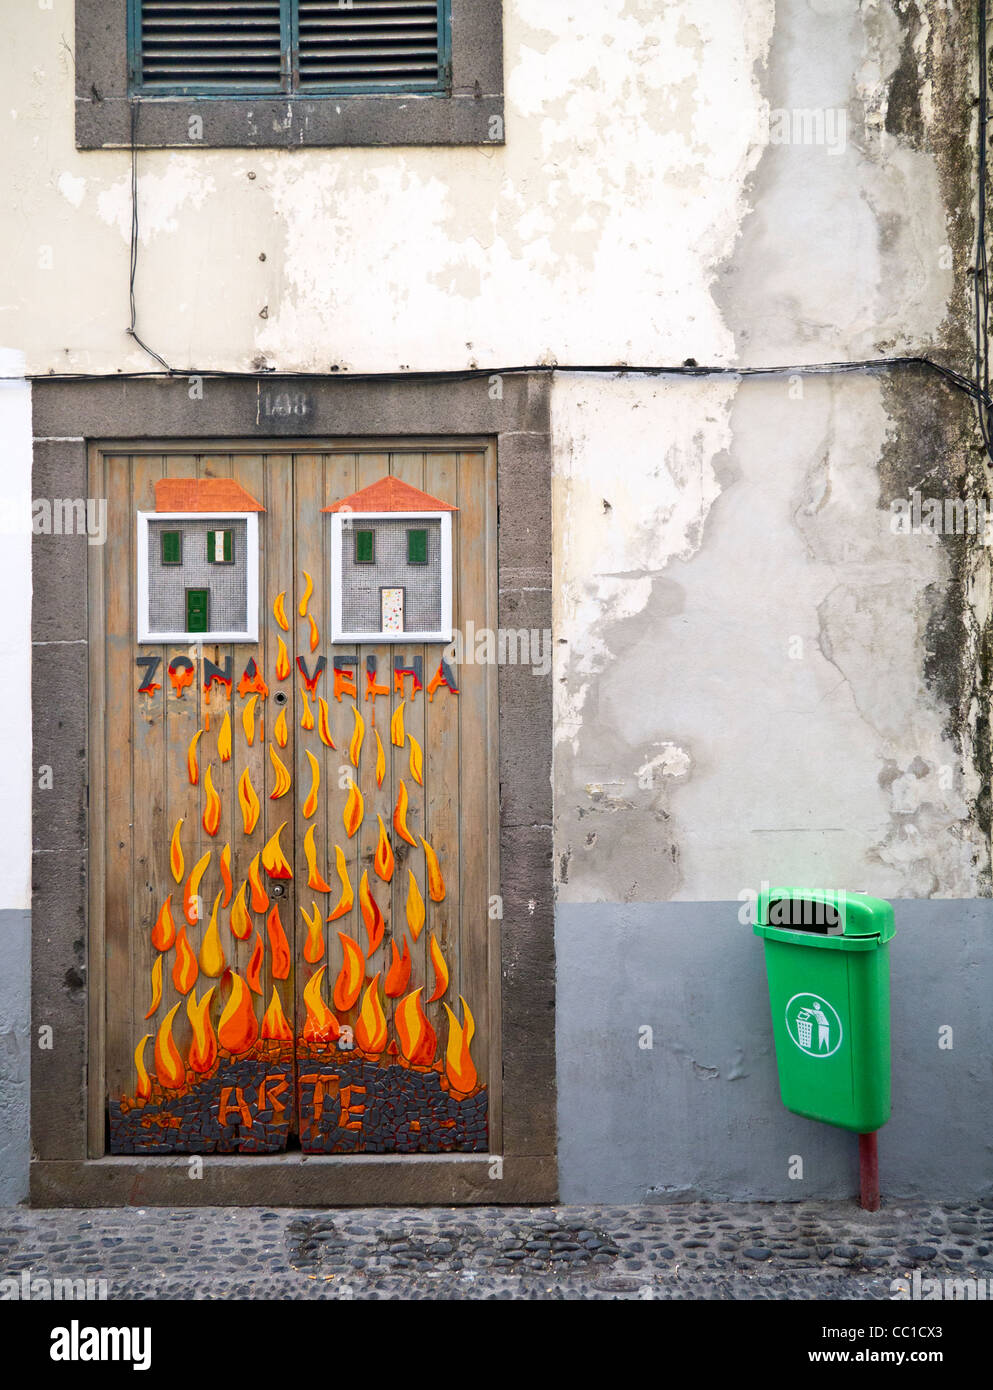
(248, 720)
(278, 946)
(156, 986)
(418, 1040)
(310, 805)
(169, 1067)
(226, 878)
(397, 734)
(315, 878)
(274, 1023)
(315, 636)
(307, 718)
(212, 809)
(436, 884)
(400, 815)
(282, 661)
(380, 760)
(347, 898)
(384, 861)
(280, 732)
(143, 1089)
(203, 1049)
(273, 859)
(249, 802)
(283, 780)
(398, 975)
(211, 950)
(416, 760)
(176, 853)
(164, 931)
(260, 898)
(184, 968)
(240, 922)
(440, 970)
(371, 914)
(458, 1063)
(192, 766)
(321, 1024)
(224, 739)
(415, 906)
(254, 972)
(238, 1028)
(308, 590)
(351, 975)
(279, 611)
(251, 679)
(313, 949)
(323, 722)
(370, 1030)
(354, 809)
(358, 734)
(191, 892)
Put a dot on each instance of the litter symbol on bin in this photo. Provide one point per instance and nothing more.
(814, 1025)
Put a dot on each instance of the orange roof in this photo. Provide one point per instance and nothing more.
(203, 495)
(390, 495)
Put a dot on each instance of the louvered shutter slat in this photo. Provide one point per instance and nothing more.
(226, 43)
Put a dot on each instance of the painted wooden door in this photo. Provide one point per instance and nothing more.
(292, 839)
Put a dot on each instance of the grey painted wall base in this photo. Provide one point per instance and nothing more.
(699, 1115)
(15, 1053)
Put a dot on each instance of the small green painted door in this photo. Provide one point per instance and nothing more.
(196, 610)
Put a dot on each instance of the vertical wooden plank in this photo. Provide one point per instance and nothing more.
(250, 471)
(309, 559)
(340, 469)
(280, 577)
(441, 767)
(371, 467)
(148, 833)
(473, 681)
(409, 466)
(214, 706)
(121, 684)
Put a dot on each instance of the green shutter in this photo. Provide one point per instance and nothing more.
(365, 547)
(417, 547)
(172, 548)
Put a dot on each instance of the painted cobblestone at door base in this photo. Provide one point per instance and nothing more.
(748, 1250)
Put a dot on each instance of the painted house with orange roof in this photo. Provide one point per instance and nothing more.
(391, 565)
(198, 562)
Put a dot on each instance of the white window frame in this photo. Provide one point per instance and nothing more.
(355, 519)
(251, 633)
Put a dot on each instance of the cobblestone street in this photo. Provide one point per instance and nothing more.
(809, 1250)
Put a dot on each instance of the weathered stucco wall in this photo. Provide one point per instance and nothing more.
(757, 678)
(587, 236)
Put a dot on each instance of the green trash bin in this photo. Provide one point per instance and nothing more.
(827, 959)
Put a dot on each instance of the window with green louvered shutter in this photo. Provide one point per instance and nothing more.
(365, 547)
(172, 547)
(247, 47)
(417, 547)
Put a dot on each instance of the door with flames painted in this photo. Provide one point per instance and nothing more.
(293, 802)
